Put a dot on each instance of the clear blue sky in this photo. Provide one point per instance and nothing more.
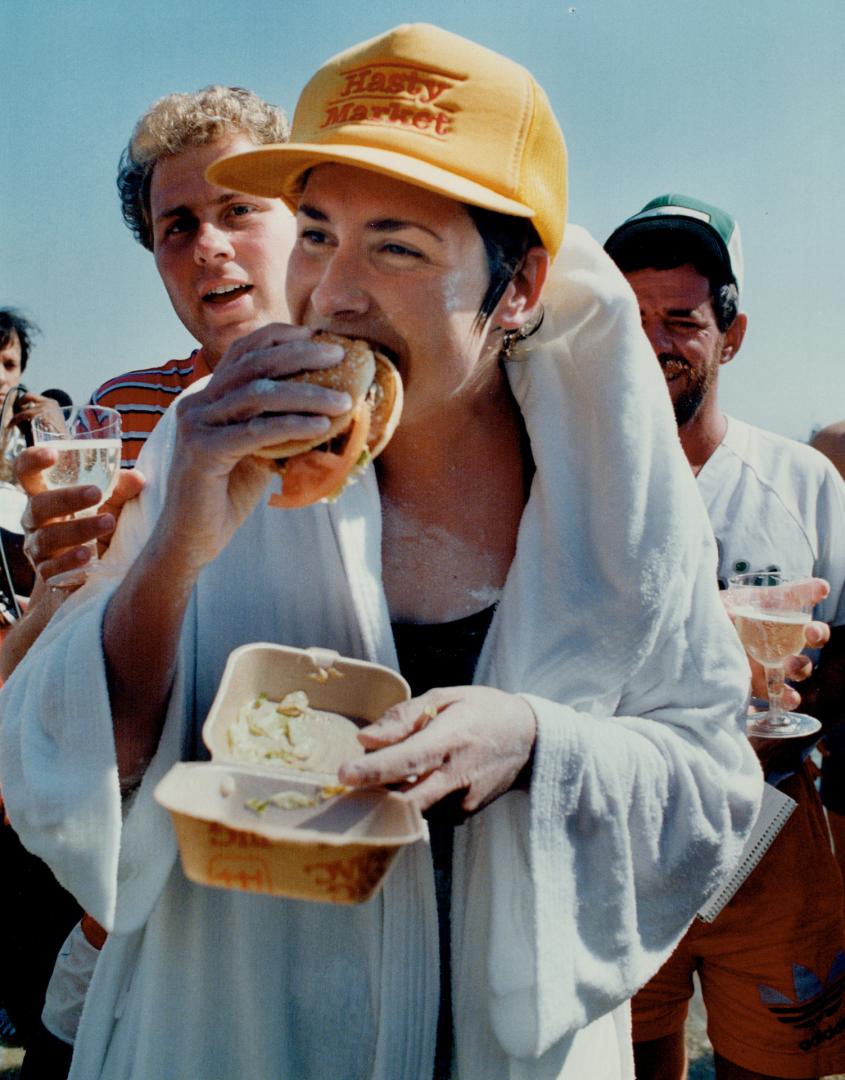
(739, 103)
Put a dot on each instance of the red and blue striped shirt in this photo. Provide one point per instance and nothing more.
(142, 397)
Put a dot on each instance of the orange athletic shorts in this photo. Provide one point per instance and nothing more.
(772, 964)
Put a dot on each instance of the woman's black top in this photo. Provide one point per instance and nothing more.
(442, 654)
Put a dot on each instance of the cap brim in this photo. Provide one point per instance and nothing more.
(630, 232)
(275, 171)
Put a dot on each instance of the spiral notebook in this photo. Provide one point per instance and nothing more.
(775, 811)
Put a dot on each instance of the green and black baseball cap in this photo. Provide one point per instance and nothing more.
(711, 229)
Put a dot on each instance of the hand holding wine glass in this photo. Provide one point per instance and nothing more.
(771, 612)
(86, 440)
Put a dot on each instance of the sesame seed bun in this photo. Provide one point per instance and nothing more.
(354, 374)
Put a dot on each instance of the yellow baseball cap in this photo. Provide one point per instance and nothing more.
(433, 109)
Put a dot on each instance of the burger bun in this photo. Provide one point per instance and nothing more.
(354, 374)
(319, 468)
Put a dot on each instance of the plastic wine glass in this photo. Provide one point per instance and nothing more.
(770, 613)
(87, 441)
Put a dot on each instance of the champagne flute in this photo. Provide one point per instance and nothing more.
(770, 613)
(86, 439)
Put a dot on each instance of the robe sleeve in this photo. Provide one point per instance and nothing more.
(632, 821)
(58, 768)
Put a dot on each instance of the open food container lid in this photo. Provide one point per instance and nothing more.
(349, 693)
(274, 820)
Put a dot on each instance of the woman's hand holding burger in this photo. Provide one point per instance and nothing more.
(321, 466)
(309, 406)
(248, 404)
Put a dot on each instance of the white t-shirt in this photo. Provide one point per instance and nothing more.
(777, 504)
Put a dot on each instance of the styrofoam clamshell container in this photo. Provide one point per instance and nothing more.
(339, 850)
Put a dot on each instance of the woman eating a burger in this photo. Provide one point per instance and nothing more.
(526, 549)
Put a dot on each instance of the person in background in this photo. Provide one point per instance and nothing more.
(34, 911)
(16, 334)
(770, 963)
(16, 338)
(585, 769)
(18, 406)
(222, 262)
(221, 258)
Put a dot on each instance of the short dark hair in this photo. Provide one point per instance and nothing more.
(670, 248)
(507, 240)
(12, 322)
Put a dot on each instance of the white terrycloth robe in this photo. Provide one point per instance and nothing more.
(565, 900)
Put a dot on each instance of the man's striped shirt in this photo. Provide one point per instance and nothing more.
(142, 398)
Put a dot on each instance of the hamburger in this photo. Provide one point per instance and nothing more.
(318, 469)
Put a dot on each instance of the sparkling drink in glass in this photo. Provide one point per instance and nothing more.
(770, 612)
(86, 439)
